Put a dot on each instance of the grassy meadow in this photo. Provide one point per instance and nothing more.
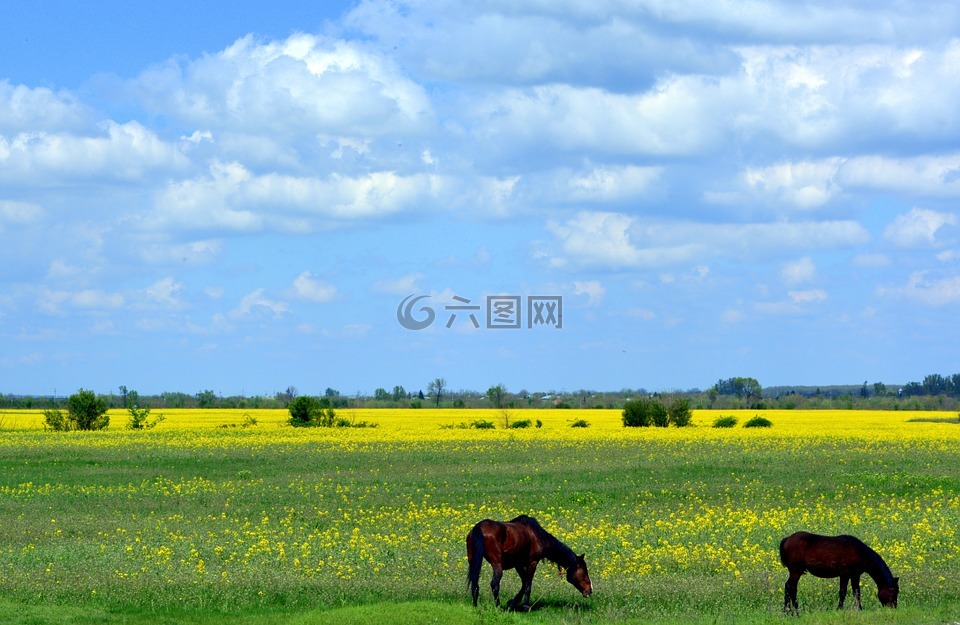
(233, 516)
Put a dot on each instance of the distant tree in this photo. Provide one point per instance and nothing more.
(436, 388)
(381, 394)
(743, 388)
(496, 395)
(679, 411)
(206, 399)
(636, 413)
(85, 411)
(399, 393)
(305, 411)
(659, 414)
(331, 393)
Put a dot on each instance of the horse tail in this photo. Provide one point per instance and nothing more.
(475, 542)
(783, 552)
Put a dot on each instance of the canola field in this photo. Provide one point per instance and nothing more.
(235, 511)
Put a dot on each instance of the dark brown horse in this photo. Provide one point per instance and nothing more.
(519, 544)
(845, 557)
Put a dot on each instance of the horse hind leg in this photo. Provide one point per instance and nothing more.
(495, 584)
(855, 584)
(790, 593)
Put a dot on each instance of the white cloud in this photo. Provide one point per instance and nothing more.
(672, 119)
(165, 292)
(593, 289)
(807, 296)
(232, 198)
(404, 285)
(805, 184)
(19, 213)
(612, 183)
(309, 288)
(303, 85)
(617, 241)
(25, 109)
(255, 303)
(919, 228)
(798, 271)
(123, 152)
(933, 292)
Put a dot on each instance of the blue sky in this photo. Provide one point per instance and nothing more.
(194, 197)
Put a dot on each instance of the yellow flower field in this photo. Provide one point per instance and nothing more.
(212, 509)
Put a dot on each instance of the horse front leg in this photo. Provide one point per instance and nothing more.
(855, 584)
(843, 591)
(522, 600)
(517, 602)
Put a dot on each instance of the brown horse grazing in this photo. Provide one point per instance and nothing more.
(845, 557)
(519, 544)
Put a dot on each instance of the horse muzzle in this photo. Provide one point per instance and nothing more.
(587, 592)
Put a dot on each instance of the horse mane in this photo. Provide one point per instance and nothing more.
(878, 568)
(554, 549)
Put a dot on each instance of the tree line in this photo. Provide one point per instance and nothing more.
(934, 392)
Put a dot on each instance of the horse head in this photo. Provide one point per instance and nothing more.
(578, 576)
(888, 594)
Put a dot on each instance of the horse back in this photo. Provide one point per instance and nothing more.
(822, 556)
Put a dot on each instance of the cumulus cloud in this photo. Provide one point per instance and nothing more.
(18, 213)
(26, 109)
(165, 292)
(232, 198)
(122, 152)
(303, 85)
(919, 228)
(617, 241)
(592, 289)
(256, 303)
(929, 291)
(799, 271)
(309, 288)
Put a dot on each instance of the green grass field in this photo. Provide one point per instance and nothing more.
(269, 524)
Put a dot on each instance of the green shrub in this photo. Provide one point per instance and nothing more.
(140, 419)
(725, 422)
(636, 413)
(659, 414)
(758, 422)
(523, 423)
(482, 424)
(679, 412)
(580, 423)
(85, 411)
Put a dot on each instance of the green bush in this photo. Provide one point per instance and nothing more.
(758, 422)
(580, 423)
(679, 412)
(482, 424)
(523, 423)
(85, 411)
(140, 419)
(725, 422)
(636, 413)
(659, 414)
(304, 411)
